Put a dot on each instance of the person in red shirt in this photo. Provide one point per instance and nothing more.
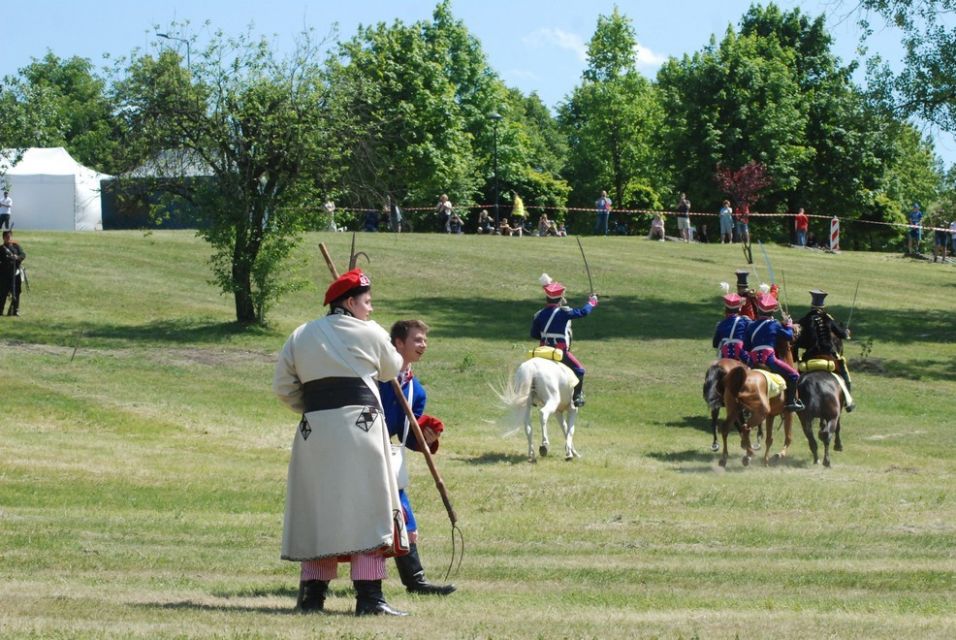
(800, 224)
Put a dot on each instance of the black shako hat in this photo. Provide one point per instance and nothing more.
(818, 298)
(742, 275)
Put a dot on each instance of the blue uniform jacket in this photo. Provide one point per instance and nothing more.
(728, 330)
(559, 331)
(763, 332)
(395, 415)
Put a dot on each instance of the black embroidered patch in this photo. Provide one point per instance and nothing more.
(366, 418)
(304, 428)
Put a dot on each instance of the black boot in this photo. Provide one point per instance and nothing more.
(413, 575)
(792, 401)
(370, 601)
(578, 397)
(311, 596)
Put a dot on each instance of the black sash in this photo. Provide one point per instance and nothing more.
(334, 393)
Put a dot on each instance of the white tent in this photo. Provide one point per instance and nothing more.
(51, 190)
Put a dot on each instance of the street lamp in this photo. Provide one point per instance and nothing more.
(495, 117)
(169, 37)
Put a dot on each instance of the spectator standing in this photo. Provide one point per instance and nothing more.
(518, 215)
(915, 218)
(603, 207)
(486, 224)
(683, 217)
(952, 232)
(330, 209)
(800, 224)
(742, 223)
(394, 215)
(444, 210)
(11, 273)
(6, 208)
(940, 238)
(726, 223)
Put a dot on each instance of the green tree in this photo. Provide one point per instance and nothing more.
(62, 103)
(262, 127)
(610, 119)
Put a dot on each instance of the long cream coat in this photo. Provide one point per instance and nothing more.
(342, 497)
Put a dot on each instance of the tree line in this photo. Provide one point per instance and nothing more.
(403, 112)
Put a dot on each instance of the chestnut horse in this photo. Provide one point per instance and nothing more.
(748, 389)
(714, 395)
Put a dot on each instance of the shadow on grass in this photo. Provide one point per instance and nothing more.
(700, 423)
(496, 458)
(924, 369)
(688, 455)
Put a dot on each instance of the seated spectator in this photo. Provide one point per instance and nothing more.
(562, 231)
(455, 224)
(657, 228)
(486, 223)
(371, 219)
(506, 229)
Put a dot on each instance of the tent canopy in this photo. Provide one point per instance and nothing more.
(51, 190)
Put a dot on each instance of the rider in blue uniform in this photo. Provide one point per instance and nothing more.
(761, 340)
(410, 338)
(552, 326)
(730, 332)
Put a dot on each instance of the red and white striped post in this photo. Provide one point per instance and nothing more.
(835, 234)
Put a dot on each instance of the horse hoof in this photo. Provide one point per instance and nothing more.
(723, 462)
(838, 447)
(756, 447)
(746, 461)
(715, 447)
(543, 450)
(826, 463)
(532, 459)
(569, 457)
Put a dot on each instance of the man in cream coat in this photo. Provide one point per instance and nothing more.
(342, 501)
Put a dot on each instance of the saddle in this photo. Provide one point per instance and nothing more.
(776, 384)
(548, 353)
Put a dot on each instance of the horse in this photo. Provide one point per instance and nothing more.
(749, 389)
(549, 385)
(823, 396)
(714, 395)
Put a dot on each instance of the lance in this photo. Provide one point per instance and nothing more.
(586, 267)
(417, 431)
(853, 306)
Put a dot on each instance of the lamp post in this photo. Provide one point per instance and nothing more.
(169, 37)
(495, 117)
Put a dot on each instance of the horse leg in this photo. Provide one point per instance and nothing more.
(546, 413)
(807, 424)
(529, 431)
(825, 428)
(714, 414)
(567, 423)
(787, 434)
(838, 445)
(769, 443)
(725, 429)
(759, 441)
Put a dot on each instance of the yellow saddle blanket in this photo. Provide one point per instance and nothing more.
(775, 382)
(548, 353)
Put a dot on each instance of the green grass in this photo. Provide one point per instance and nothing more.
(143, 456)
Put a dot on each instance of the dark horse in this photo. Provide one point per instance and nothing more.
(824, 400)
(748, 389)
(714, 395)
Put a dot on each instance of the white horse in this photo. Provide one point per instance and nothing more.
(549, 385)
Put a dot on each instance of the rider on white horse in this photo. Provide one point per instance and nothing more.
(552, 326)
(730, 332)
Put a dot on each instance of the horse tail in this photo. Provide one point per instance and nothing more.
(517, 392)
(734, 381)
(713, 387)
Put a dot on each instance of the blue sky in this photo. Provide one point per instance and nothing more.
(534, 44)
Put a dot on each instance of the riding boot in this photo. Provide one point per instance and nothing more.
(578, 397)
(792, 402)
(370, 601)
(311, 595)
(413, 575)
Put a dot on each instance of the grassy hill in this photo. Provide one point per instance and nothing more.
(143, 456)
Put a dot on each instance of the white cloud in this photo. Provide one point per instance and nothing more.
(647, 59)
(559, 38)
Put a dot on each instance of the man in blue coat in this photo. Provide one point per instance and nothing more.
(761, 341)
(731, 331)
(410, 338)
(552, 326)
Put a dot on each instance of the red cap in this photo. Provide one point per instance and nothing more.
(766, 302)
(733, 301)
(554, 290)
(347, 281)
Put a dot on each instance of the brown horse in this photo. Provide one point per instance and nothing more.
(748, 389)
(824, 399)
(714, 394)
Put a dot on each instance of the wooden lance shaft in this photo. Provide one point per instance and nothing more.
(412, 420)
